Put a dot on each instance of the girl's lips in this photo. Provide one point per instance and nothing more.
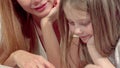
(41, 8)
(85, 38)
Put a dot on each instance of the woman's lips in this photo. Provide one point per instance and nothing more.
(41, 8)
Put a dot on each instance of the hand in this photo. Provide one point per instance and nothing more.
(92, 66)
(52, 16)
(27, 60)
(98, 59)
(91, 41)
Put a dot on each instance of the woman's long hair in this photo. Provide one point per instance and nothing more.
(16, 29)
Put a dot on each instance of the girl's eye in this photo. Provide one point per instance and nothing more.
(86, 23)
(71, 23)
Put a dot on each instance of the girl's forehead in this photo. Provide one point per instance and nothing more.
(68, 8)
(75, 14)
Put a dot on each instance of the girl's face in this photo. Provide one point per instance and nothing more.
(79, 23)
(38, 8)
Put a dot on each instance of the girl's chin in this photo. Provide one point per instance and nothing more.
(85, 40)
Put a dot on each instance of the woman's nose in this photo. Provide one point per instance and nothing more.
(35, 3)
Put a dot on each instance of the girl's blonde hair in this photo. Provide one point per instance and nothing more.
(15, 29)
(66, 36)
(106, 25)
(105, 19)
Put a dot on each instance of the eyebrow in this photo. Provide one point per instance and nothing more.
(87, 19)
(83, 20)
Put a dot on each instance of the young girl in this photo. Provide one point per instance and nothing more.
(27, 26)
(97, 25)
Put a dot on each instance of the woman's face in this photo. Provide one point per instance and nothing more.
(38, 8)
(79, 23)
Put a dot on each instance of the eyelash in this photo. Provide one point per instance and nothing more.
(84, 24)
(71, 23)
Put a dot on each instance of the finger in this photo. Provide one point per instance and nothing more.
(45, 62)
(58, 1)
(39, 64)
(31, 65)
(91, 41)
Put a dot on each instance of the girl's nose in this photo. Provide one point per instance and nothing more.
(35, 3)
(78, 31)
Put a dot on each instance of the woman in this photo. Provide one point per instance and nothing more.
(27, 26)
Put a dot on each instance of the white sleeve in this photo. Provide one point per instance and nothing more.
(3, 66)
(117, 54)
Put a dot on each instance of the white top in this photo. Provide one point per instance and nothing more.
(117, 54)
(40, 49)
(3, 66)
(115, 57)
